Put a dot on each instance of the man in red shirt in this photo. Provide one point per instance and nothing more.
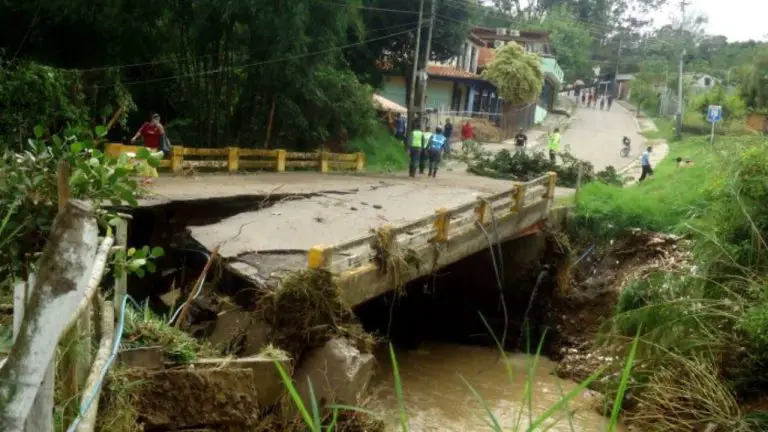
(466, 135)
(151, 131)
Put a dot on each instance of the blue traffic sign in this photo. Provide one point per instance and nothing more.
(714, 113)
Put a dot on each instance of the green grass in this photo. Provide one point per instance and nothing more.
(383, 152)
(662, 203)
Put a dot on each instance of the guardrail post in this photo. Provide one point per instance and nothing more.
(480, 210)
(113, 149)
(552, 181)
(281, 155)
(323, 165)
(177, 158)
(518, 195)
(360, 161)
(442, 222)
(233, 159)
(319, 258)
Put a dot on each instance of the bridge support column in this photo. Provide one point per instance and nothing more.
(442, 222)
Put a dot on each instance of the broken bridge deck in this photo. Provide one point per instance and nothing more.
(338, 222)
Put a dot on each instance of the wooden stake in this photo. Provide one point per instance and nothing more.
(200, 280)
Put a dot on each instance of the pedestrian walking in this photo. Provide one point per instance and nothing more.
(521, 139)
(645, 164)
(424, 155)
(400, 130)
(589, 100)
(583, 98)
(152, 133)
(435, 151)
(553, 142)
(447, 132)
(602, 103)
(416, 144)
(466, 135)
(610, 101)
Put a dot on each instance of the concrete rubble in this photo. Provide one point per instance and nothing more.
(338, 371)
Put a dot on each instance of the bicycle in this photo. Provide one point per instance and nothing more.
(625, 149)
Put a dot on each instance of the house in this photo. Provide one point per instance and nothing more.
(534, 41)
(701, 82)
(456, 87)
(623, 85)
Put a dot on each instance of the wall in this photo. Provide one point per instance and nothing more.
(439, 94)
(394, 89)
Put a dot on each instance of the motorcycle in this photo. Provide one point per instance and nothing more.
(626, 148)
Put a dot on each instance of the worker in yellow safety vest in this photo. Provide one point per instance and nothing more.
(553, 142)
(415, 148)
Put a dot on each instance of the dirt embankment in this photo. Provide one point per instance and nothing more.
(590, 291)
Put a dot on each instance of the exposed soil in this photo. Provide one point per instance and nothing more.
(592, 289)
(178, 399)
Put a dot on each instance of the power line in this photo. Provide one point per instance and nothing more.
(261, 63)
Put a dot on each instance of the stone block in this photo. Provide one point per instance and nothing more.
(256, 337)
(267, 382)
(191, 398)
(152, 357)
(231, 324)
(338, 371)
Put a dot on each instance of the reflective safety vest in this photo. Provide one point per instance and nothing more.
(554, 142)
(416, 137)
(427, 137)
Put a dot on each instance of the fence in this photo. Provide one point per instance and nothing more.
(58, 307)
(234, 159)
(437, 228)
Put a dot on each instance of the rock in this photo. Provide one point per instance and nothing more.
(266, 379)
(338, 371)
(256, 337)
(231, 325)
(152, 357)
(188, 398)
(377, 207)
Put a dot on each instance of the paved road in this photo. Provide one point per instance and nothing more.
(596, 135)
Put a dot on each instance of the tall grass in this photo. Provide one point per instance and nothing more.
(383, 152)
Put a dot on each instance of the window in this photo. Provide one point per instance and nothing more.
(707, 82)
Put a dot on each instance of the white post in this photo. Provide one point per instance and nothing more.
(712, 135)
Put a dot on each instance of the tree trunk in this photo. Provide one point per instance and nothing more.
(270, 121)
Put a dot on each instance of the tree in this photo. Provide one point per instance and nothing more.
(570, 41)
(516, 74)
(643, 93)
(754, 83)
(733, 106)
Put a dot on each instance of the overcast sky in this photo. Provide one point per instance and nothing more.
(738, 20)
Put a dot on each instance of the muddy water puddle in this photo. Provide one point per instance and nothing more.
(437, 399)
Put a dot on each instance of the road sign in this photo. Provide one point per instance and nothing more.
(714, 113)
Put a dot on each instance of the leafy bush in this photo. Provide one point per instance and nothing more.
(383, 152)
(29, 193)
(733, 105)
(525, 166)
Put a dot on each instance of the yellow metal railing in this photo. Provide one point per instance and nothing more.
(233, 159)
(440, 227)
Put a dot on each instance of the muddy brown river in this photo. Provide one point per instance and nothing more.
(437, 399)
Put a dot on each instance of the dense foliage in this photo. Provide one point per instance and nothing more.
(294, 74)
(516, 74)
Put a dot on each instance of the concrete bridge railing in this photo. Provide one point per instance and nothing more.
(393, 255)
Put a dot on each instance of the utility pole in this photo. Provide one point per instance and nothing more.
(411, 106)
(664, 108)
(424, 77)
(683, 4)
(615, 90)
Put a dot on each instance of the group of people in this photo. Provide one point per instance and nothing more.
(591, 99)
(426, 148)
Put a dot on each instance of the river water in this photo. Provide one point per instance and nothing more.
(437, 399)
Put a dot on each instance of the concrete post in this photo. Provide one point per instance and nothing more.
(177, 158)
(442, 222)
(281, 155)
(360, 161)
(233, 159)
(319, 258)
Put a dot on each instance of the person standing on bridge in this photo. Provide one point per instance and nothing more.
(521, 139)
(553, 142)
(416, 144)
(435, 150)
(400, 129)
(424, 154)
(447, 132)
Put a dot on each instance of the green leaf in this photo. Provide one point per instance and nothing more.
(101, 131)
(141, 253)
(131, 251)
(39, 131)
(153, 162)
(56, 140)
(114, 221)
(157, 252)
(150, 266)
(140, 272)
(76, 147)
(143, 153)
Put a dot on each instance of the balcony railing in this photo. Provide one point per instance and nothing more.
(551, 68)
